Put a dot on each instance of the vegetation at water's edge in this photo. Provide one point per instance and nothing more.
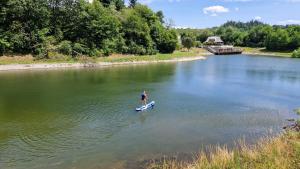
(296, 53)
(60, 58)
(264, 51)
(281, 151)
(278, 152)
(77, 27)
(176, 55)
(297, 111)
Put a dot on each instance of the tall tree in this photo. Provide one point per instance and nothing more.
(160, 16)
(106, 3)
(119, 4)
(132, 3)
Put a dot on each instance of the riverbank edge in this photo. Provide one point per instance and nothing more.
(281, 151)
(267, 54)
(263, 52)
(10, 67)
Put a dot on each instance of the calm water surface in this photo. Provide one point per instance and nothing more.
(84, 118)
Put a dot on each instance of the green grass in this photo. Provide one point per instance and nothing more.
(156, 57)
(278, 152)
(59, 58)
(29, 59)
(264, 51)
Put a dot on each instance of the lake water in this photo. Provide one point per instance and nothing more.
(85, 118)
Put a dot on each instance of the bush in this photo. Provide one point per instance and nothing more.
(95, 52)
(198, 44)
(4, 45)
(44, 45)
(188, 42)
(296, 53)
(168, 42)
(79, 49)
(65, 47)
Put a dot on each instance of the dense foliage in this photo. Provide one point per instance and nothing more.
(75, 27)
(187, 40)
(296, 54)
(251, 34)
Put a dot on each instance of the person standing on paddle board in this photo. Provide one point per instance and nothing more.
(144, 97)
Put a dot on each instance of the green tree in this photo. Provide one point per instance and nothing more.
(187, 42)
(161, 16)
(137, 35)
(257, 35)
(204, 34)
(106, 3)
(119, 4)
(65, 47)
(21, 23)
(278, 40)
(132, 3)
(4, 45)
(165, 39)
(296, 53)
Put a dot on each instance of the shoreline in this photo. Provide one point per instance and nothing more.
(263, 52)
(45, 66)
(267, 54)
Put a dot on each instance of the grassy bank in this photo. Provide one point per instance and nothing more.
(263, 51)
(59, 58)
(278, 152)
(176, 55)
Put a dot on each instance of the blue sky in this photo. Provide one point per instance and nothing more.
(209, 13)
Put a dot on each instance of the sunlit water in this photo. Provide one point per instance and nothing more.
(85, 118)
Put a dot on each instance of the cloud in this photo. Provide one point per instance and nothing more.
(214, 10)
(289, 22)
(258, 18)
(236, 9)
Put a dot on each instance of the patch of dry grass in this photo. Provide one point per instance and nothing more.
(18, 59)
(269, 153)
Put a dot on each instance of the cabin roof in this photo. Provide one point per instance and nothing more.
(215, 39)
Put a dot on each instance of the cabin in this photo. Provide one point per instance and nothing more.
(215, 45)
(214, 40)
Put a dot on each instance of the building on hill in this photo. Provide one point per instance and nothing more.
(215, 45)
(214, 40)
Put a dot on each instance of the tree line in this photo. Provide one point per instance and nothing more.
(80, 27)
(250, 34)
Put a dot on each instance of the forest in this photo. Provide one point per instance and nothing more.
(250, 34)
(102, 27)
(80, 27)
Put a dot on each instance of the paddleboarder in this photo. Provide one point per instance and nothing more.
(144, 97)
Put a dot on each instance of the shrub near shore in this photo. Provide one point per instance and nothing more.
(296, 53)
(273, 152)
(276, 152)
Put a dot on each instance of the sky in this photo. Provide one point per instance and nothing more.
(210, 13)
